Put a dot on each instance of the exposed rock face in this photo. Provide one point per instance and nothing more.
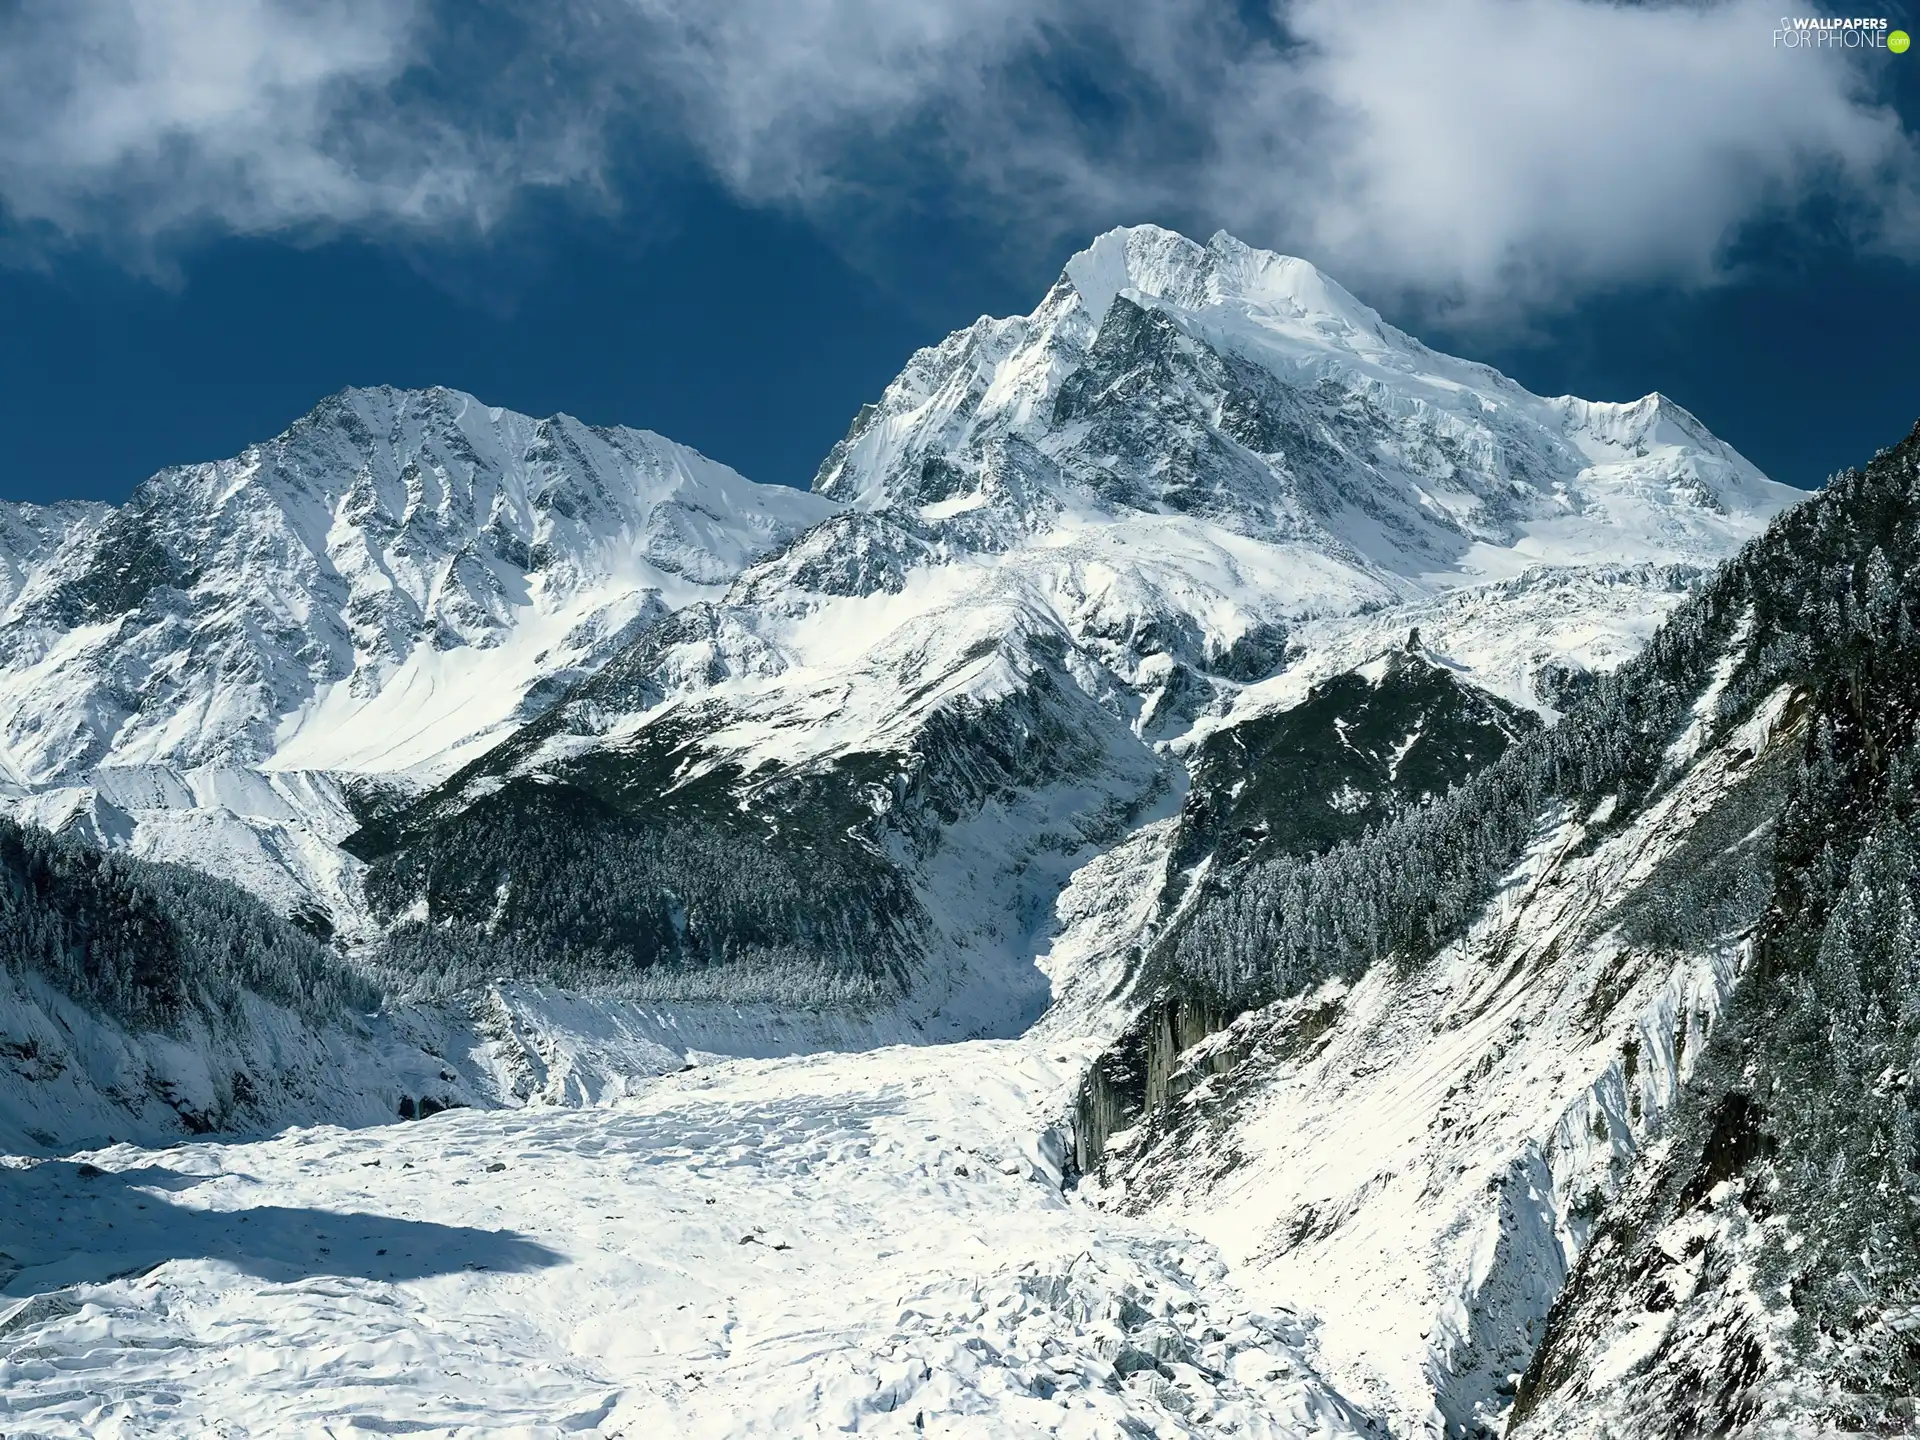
(394, 583)
(1072, 541)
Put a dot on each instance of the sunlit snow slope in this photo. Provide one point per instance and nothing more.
(386, 588)
(1196, 480)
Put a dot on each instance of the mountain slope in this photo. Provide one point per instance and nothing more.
(1634, 1006)
(1196, 481)
(151, 1000)
(30, 534)
(1760, 1272)
(1398, 731)
(393, 583)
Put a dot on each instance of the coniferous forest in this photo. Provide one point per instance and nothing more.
(1808, 1096)
(147, 943)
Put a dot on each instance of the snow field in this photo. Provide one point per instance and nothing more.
(871, 1243)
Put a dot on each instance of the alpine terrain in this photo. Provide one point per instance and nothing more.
(223, 670)
(1593, 1076)
(1195, 482)
(1224, 873)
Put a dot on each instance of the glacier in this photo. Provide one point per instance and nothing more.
(1062, 559)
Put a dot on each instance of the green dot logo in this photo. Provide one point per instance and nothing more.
(1897, 41)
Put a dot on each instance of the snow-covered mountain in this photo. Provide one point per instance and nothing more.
(1247, 389)
(1193, 483)
(1474, 924)
(1070, 577)
(1581, 1101)
(389, 586)
(383, 588)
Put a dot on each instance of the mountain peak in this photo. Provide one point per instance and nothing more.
(1653, 423)
(1142, 258)
(1248, 388)
(1160, 264)
(382, 404)
(395, 527)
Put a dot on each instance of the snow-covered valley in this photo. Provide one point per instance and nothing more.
(890, 1241)
(732, 900)
(871, 1243)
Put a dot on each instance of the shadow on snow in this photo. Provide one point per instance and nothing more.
(63, 1223)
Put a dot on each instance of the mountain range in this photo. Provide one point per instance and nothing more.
(1424, 831)
(361, 668)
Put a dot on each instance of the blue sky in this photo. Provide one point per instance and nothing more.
(731, 221)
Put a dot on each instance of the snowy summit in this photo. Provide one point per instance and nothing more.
(1166, 896)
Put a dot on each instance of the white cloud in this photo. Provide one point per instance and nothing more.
(125, 121)
(775, 92)
(1499, 153)
(1493, 146)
